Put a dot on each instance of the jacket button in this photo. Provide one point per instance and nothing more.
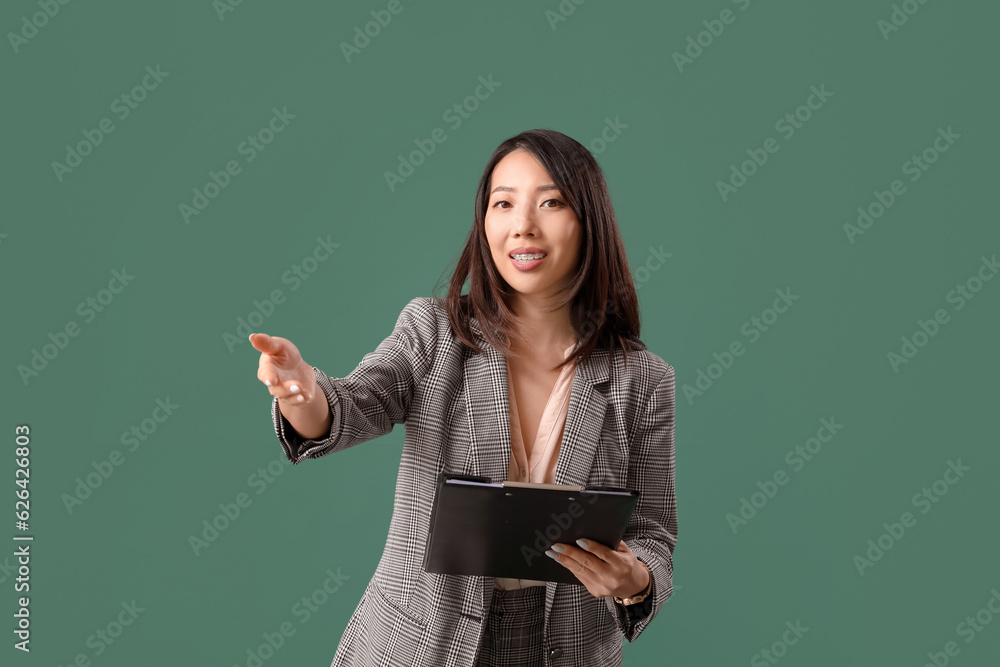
(555, 653)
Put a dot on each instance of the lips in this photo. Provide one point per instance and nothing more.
(530, 250)
(528, 265)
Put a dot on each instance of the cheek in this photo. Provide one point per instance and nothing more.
(572, 242)
(495, 245)
(491, 234)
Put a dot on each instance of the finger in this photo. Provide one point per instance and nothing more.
(274, 369)
(596, 556)
(564, 558)
(292, 392)
(575, 556)
(269, 373)
(296, 399)
(586, 576)
(600, 550)
(266, 344)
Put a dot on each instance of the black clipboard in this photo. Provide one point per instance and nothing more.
(503, 529)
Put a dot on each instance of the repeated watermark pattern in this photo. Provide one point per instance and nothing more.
(696, 44)
(787, 125)
(968, 629)
(454, 116)
(924, 500)
(88, 309)
(363, 35)
(367, 34)
(899, 17)
(122, 106)
(294, 276)
(249, 149)
(136, 436)
(753, 329)
(655, 260)
(212, 527)
(779, 648)
(553, 532)
(609, 134)
(926, 330)
(562, 12)
(30, 25)
(303, 610)
(914, 168)
(223, 7)
(796, 459)
(104, 637)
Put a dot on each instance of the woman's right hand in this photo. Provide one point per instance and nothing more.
(283, 370)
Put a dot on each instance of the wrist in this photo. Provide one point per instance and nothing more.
(646, 577)
(647, 580)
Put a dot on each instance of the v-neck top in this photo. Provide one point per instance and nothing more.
(541, 466)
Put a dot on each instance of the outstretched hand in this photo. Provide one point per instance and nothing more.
(604, 571)
(283, 370)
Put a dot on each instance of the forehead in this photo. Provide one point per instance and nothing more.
(519, 167)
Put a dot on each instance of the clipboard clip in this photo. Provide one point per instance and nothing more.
(540, 485)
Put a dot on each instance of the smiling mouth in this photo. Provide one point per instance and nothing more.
(530, 264)
(528, 257)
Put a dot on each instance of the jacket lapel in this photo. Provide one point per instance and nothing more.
(488, 406)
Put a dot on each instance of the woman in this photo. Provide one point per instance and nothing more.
(537, 374)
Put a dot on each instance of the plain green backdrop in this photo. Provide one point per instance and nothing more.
(682, 125)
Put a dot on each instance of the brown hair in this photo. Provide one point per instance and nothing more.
(605, 308)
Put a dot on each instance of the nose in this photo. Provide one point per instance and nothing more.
(524, 223)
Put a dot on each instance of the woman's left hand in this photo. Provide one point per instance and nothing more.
(605, 572)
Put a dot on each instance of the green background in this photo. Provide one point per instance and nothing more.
(323, 176)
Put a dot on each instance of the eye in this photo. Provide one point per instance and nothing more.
(556, 203)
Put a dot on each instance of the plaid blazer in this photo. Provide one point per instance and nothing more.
(619, 432)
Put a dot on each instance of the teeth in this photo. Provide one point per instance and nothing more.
(525, 258)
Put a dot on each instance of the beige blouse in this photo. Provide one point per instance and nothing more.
(545, 451)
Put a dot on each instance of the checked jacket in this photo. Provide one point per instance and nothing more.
(454, 406)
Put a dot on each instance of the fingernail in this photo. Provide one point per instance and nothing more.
(552, 555)
(583, 543)
(301, 398)
(559, 548)
(294, 389)
(250, 338)
(267, 382)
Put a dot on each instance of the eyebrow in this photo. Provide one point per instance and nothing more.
(541, 188)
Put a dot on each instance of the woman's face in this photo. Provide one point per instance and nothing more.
(526, 214)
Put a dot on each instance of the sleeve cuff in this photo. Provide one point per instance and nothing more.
(297, 448)
(632, 619)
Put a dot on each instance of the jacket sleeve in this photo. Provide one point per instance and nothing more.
(652, 531)
(374, 396)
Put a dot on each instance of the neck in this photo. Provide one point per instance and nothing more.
(541, 327)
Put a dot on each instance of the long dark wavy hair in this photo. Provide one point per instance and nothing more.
(605, 308)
